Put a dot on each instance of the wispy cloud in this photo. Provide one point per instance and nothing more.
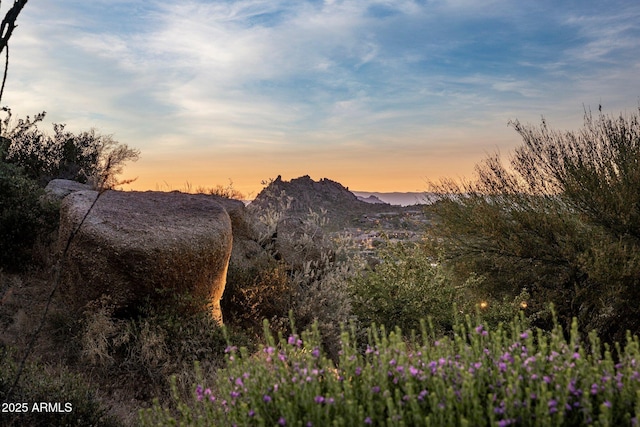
(276, 75)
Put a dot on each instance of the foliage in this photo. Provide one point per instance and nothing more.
(24, 216)
(87, 157)
(408, 285)
(150, 348)
(228, 191)
(76, 403)
(561, 220)
(478, 377)
(296, 271)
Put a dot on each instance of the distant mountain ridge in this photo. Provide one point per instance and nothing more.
(398, 198)
(371, 199)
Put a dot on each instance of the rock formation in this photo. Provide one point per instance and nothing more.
(170, 248)
(329, 199)
(60, 188)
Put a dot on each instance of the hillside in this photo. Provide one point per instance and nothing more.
(342, 210)
(332, 200)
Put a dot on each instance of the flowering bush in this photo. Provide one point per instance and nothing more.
(511, 376)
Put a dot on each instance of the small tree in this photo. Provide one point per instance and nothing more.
(87, 157)
(561, 219)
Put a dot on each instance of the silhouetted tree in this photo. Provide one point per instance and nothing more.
(7, 26)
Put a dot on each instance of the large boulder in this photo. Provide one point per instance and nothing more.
(138, 246)
(58, 189)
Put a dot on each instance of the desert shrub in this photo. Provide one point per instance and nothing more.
(146, 350)
(77, 404)
(262, 291)
(478, 377)
(559, 220)
(86, 157)
(24, 217)
(317, 292)
(300, 273)
(408, 284)
(226, 191)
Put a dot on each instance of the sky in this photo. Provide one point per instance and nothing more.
(377, 95)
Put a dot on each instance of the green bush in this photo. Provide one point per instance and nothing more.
(561, 220)
(74, 404)
(408, 284)
(479, 377)
(24, 217)
(86, 157)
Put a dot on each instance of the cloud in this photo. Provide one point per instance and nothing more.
(276, 75)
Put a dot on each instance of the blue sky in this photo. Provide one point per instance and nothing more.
(378, 95)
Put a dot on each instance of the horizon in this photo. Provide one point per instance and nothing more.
(377, 95)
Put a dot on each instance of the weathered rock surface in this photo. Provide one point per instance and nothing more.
(134, 246)
(60, 188)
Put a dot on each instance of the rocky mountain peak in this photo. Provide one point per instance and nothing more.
(303, 194)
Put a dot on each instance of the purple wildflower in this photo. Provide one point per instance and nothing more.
(375, 389)
(607, 404)
(319, 399)
(282, 421)
(252, 413)
(266, 398)
(368, 420)
(553, 406)
(358, 370)
(315, 352)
